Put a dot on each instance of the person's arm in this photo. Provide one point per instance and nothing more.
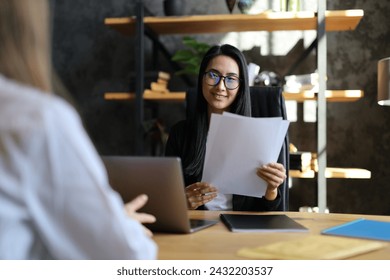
(197, 193)
(77, 213)
(133, 206)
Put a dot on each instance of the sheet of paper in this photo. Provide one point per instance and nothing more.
(236, 146)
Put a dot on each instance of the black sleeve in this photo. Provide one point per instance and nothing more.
(248, 203)
(175, 148)
(175, 142)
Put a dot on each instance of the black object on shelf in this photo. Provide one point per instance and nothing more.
(174, 7)
(230, 4)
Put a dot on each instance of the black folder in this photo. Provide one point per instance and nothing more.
(260, 223)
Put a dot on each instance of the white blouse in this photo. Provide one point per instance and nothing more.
(55, 199)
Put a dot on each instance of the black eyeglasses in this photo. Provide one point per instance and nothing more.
(213, 78)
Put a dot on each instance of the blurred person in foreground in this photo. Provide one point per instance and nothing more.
(55, 199)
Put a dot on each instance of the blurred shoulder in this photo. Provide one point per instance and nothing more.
(25, 106)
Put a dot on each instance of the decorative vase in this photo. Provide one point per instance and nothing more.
(244, 5)
(230, 4)
(174, 7)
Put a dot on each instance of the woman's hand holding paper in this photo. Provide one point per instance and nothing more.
(274, 174)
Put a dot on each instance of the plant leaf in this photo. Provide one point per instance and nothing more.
(190, 57)
(182, 55)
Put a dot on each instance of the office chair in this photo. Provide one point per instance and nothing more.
(266, 102)
(269, 102)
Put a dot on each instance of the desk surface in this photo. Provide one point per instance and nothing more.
(218, 243)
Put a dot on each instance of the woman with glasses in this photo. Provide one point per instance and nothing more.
(222, 86)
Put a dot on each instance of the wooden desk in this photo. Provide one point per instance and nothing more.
(218, 243)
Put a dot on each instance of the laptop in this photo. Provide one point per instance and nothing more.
(161, 179)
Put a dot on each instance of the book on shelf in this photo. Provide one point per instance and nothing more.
(301, 161)
(154, 92)
(155, 86)
(162, 81)
(260, 223)
(159, 77)
(163, 75)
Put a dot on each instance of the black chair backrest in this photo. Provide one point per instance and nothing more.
(266, 102)
(269, 102)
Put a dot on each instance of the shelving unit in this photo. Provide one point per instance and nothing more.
(323, 21)
(265, 21)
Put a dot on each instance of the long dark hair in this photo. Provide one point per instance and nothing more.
(197, 128)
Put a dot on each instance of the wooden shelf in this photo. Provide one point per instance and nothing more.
(266, 21)
(172, 96)
(332, 96)
(334, 172)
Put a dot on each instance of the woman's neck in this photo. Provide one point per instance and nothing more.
(215, 111)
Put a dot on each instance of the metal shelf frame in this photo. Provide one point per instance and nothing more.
(321, 97)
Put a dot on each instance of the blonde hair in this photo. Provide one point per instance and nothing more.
(25, 54)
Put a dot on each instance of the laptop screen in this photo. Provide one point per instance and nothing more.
(161, 179)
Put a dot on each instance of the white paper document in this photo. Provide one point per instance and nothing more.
(236, 146)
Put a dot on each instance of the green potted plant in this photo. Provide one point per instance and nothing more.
(191, 56)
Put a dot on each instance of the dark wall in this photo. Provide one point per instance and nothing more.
(92, 59)
(357, 132)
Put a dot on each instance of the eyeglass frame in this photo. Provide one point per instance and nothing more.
(224, 79)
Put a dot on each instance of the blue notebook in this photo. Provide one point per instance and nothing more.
(362, 228)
